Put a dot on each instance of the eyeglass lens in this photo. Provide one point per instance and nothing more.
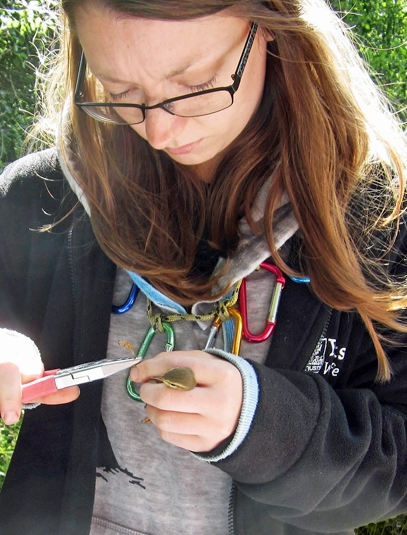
(194, 106)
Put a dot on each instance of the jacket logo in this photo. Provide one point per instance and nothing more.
(326, 358)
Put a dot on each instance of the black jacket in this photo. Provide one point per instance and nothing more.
(326, 452)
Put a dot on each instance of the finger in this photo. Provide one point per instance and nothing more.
(174, 424)
(170, 399)
(178, 429)
(66, 395)
(10, 393)
(178, 422)
(202, 364)
(220, 411)
(193, 443)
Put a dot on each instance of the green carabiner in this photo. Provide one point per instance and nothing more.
(169, 346)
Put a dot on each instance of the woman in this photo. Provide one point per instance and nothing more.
(196, 141)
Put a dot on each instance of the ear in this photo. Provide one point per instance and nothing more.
(267, 35)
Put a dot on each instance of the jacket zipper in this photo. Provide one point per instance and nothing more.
(321, 337)
(71, 267)
(232, 496)
(233, 489)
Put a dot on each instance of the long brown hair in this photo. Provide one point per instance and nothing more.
(323, 129)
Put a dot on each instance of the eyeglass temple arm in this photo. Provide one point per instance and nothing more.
(79, 80)
(236, 77)
(244, 57)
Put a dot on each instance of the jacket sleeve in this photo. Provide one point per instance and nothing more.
(330, 457)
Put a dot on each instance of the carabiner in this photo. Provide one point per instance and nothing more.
(121, 309)
(169, 346)
(274, 303)
(237, 336)
(217, 322)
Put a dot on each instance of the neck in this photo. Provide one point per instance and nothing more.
(206, 171)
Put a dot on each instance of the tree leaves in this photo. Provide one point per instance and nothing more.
(381, 30)
(26, 32)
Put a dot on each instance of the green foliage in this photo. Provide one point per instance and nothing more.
(26, 32)
(8, 439)
(395, 526)
(381, 29)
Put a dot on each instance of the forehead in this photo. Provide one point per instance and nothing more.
(111, 41)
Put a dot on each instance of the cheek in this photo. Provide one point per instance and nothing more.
(140, 129)
(225, 122)
(250, 97)
(232, 121)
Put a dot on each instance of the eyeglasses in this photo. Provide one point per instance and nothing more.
(196, 104)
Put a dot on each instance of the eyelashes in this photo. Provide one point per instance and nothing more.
(116, 97)
(119, 96)
(202, 87)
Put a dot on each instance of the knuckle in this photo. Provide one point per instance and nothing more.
(157, 395)
(166, 396)
(166, 436)
(8, 368)
(163, 421)
(227, 430)
(232, 374)
(161, 355)
(160, 396)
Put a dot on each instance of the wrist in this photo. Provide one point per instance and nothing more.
(249, 405)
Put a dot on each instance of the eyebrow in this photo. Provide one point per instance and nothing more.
(109, 79)
(170, 74)
(177, 72)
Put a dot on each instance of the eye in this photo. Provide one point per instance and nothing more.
(118, 96)
(202, 87)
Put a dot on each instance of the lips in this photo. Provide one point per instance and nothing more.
(184, 149)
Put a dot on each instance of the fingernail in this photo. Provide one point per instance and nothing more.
(10, 418)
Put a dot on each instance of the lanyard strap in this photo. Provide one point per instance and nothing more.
(220, 311)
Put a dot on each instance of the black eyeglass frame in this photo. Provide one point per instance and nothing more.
(236, 77)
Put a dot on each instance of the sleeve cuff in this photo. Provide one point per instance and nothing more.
(249, 405)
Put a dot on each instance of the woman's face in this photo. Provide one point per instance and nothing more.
(147, 61)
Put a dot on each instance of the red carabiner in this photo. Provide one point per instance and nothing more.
(275, 301)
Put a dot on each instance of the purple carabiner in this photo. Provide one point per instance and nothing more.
(274, 303)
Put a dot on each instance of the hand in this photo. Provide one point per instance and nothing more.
(20, 362)
(198, 419)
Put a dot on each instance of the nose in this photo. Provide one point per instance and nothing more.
(161, 128)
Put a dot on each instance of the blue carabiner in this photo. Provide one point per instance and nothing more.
(300, 280)
(169, 346)
(121, 309)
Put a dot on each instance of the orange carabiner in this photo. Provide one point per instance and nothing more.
(237, 337)
(274, 303)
